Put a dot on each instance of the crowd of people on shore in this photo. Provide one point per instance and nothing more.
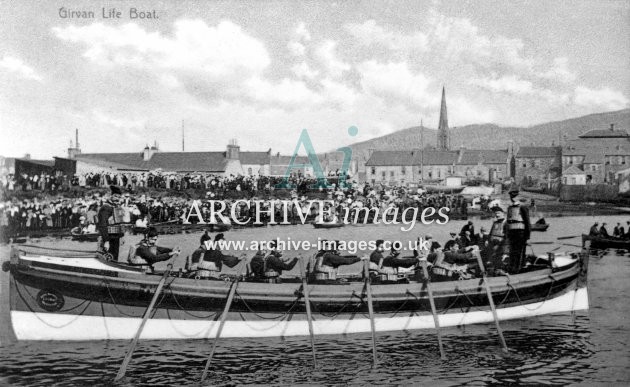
(175, 181)
(58, 212)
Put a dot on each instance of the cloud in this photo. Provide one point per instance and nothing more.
(394, 81)
(327, 57)
(507, 84)
(303, 70)
(117, 122)
(605, 98)
(296, 45)
(18, 67)
(559, 71)
(369, 33)
(221, 51)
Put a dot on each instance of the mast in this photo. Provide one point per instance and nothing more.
(421, 151)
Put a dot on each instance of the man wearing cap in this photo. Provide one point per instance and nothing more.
(518, 231)
(148, 253)
(197, 255)
(594, 231)
(603, 231)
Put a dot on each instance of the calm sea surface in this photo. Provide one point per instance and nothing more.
(589, 348)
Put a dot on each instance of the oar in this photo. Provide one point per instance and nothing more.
(491, 302)
(568, 237)
(540, 243)
(309, 317)
(368, 288)
(147, 313)
(228, 303)
(436, 321)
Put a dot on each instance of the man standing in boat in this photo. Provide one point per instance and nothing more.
(518, 231)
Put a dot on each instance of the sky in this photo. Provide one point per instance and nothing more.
(262, 71)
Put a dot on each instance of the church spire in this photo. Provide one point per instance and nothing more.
(443, 138)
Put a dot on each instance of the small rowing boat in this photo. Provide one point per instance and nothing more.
(598, 242)
(78, 235)
(327, 225)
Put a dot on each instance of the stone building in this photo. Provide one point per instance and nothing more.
(537, 164)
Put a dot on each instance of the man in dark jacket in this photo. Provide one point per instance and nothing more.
(147, 252)
(518, 231)
(216, 256)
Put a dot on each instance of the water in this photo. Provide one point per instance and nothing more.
(589, 348)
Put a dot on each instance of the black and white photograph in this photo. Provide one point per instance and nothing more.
(361, 192)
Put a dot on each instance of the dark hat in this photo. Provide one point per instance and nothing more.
(496, 209)
(219, 237)
(205, 237)
(379, 242)
(151, 232)
(449, 244)
(435, 245)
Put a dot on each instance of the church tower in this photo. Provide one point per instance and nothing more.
(443, 140)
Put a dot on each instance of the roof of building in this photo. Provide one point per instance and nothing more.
(483, 156)
(605, 133)
(390, 158)
(169, 161)
(573, 170)
(46, 163)
(599, 147)
(258, 158)
(435, 157)
(539, 151)
(285, 160)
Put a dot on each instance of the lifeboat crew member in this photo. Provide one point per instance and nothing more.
(327, 264)
(271, 266)
(147, 253)
(594, 231)
(603, 231)
(197, 255)
(376, 257)
(393, 262)
(518, 231)
(496, 248)
(214, 259)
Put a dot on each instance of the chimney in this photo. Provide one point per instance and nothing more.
(233, 150)
(27, 156)
(147, 153)
(74, 150)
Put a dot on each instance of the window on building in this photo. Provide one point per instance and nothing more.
(373, 170)
(430, 174)
(403, 170)
(593, 167)
(524, 165)
(384, 175)
(391, 173)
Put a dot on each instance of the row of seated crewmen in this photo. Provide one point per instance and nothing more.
(268, 266)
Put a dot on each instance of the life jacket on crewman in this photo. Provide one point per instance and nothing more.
(496, 231)
(270, 275)
(515, 219)
(323, 271)
(207, 269)
(136, 260)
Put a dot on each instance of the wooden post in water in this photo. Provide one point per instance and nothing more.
(423, 263)
(368, 289)
(228, 303)
(309, 317)
(491, 302)
(147, 313)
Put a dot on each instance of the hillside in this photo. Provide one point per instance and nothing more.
(490, 136)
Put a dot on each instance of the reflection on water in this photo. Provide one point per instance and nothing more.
(590, 347)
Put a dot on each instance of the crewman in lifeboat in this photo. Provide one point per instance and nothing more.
(391, 265)
(518, 231)
(270, 267)
(147, 253)
(327, 264)
(197, 255)
(214, 259)
(496, 250)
